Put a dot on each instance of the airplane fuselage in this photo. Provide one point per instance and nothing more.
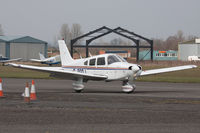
(119, 69)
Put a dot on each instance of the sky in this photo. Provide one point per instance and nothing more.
(151, 18)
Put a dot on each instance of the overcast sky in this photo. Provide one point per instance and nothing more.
(151, 18)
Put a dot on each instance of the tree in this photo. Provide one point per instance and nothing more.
(191, 37)
(76, 32)
(180, 36)
(117, 41)
(158, 44)
(171, 43)
(1, 31)
(65, 34)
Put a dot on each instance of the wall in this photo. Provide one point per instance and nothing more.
(156, 57)
(2, 49)
(26, 51)
(186, 50)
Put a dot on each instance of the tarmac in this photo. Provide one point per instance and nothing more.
(100, 108)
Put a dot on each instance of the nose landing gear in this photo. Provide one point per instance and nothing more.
(128, 88)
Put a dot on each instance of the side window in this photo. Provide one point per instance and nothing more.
(101, 61)
(92, 62)
(85, 63)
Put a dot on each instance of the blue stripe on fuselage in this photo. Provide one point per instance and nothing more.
(93, 68)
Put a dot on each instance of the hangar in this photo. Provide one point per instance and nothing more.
(24, 47)
(135, 38)
(188, 48)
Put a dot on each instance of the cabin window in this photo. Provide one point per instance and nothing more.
(85, 63)
(92, 62)
(112, 59)
(101, 61)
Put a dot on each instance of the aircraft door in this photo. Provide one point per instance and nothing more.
(101, 66)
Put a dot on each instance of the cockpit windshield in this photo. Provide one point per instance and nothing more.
(121, 58)
(113, 59)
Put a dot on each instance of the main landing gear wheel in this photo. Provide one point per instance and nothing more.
(78, 85)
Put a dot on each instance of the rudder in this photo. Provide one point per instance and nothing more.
(64, 53)
(41, 56)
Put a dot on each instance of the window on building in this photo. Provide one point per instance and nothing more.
(173, 54)
(92, 62)
(101, 61)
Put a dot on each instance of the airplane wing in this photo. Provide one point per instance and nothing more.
(4, 61)
(36, 60)
(163, 70)
(61, 72)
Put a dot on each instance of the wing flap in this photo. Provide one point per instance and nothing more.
(61, 71)
(163, 70)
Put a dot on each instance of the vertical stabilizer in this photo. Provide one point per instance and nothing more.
(64, 53)
(41, 56)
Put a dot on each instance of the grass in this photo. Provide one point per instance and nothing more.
(10, 72)
(185, 76)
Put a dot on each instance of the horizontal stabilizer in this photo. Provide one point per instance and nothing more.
(36, 60)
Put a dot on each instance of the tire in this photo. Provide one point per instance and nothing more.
(78, 91)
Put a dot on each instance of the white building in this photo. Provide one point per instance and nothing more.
(188, 48)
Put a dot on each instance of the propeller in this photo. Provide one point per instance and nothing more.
(136, 71)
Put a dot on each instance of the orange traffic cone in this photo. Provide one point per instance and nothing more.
(33, 92)
(27, 94)
(1, 89)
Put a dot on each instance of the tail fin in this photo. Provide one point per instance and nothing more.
(64, 53)
(41, 56)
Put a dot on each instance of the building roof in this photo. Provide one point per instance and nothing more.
(20, 39)
(194, 41)
(159, 51)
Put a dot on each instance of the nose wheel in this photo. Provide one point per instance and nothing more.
(128, 88)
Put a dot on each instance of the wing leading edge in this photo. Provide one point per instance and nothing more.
(163, 70)
(61, 72)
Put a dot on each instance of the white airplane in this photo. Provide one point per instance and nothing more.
(107, 67)
(4, 60)
(49, 61)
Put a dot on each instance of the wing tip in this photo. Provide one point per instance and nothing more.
(194, 66)
(13, 64)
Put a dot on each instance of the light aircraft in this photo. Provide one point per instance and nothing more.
(50, 61)
(4, 60)
(107, 67)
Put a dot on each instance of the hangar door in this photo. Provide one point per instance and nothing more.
(26, 51)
